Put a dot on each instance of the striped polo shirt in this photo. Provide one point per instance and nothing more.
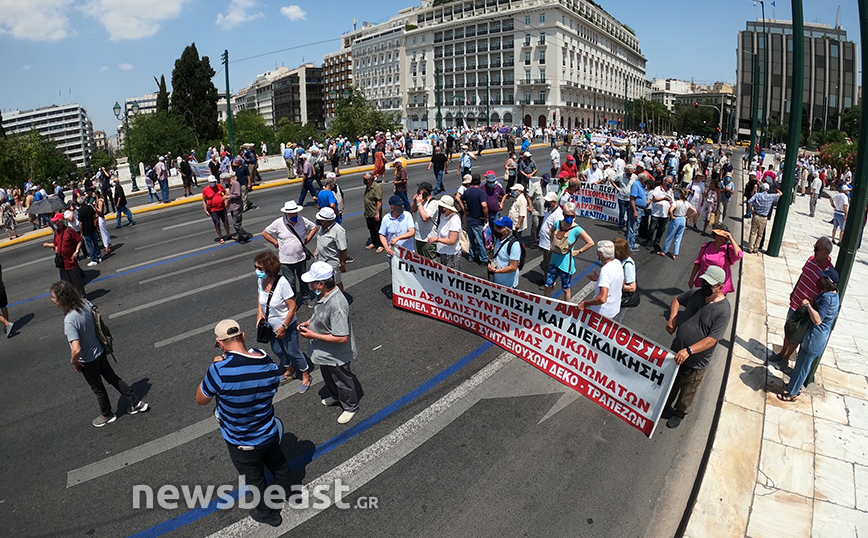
(244, 385)
(807, 286)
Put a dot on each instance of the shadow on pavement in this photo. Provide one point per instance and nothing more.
(141, 388)
(21, 322)
(96, 294)
(755, 347)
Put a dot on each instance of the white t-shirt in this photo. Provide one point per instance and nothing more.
(545, 238)
(425, 228)
(449, 224)
(612, 277)
(556, 158)
(661, 208)
(840, 201)
(278, 311)
(816, 185)
(519, 209)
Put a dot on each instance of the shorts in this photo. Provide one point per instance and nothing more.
(187, 181)
(838, 220)
(217, 216)
(554, 273)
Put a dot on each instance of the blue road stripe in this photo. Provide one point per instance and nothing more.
(337, 441)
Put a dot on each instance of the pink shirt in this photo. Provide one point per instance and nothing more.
(724, 258)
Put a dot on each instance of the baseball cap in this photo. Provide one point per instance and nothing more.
(226, 329)
(527, 154)
(490, 176)
(326, 213)
(396, 200)
(714, 275)
(57, 217)
(318, 271)
(212, 179)
(519, 187)
(331, 175)
(831, 273)
(551, 197)
(466, 179)
(504, 222)
(570, 158)
(162, 158)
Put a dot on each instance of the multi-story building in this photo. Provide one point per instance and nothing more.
(68, 126)
(259, 96)
(147, 103)
(337, 75)
(536, 62)
(831, 68)
(669, 90)
(100, 141)
(298, 96)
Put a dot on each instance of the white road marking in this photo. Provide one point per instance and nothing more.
(378, 347)
(167, 442)
(204, 232)
(164, 258)
(377, 458)
(172, 227)
(194, 267)
(209, 287)
(25, 264)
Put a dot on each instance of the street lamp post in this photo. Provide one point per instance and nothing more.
(126, 119)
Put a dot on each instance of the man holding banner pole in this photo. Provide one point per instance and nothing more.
(697, 330)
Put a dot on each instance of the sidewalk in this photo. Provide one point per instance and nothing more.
(790, 469)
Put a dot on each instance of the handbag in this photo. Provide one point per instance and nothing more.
(264, 332)
(631, 299)
(464, 240)
(58, 259)
(561, 245)
(308, 255)
(797, 325)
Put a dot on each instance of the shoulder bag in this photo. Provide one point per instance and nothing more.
(631, 299)
(264, 332)
(307, 253)
(561, 245)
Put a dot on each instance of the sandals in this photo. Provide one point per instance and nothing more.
(787, 397)
(287, 377)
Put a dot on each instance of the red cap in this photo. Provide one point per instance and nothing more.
(57, 217)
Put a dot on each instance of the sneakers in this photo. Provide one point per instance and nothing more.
(346, 416)
(101, 421)
(140, 407)
(269, 518)
(674, 421)
(330, 401)
(92, 263)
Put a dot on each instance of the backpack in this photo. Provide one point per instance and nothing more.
(523, 257)
(102, 331)
(153, 175)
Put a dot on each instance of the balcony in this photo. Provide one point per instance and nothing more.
(471, 50)
(447, 69)
(448, 85)
(495, 64)
(508, 63)
(539, 101)
(509, 101)
(483, 47)
(494, 83)
(509, 46)
(495, 46)
(526, 43)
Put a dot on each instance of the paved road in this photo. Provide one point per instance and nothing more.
(453, 437)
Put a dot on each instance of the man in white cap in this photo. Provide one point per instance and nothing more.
(697, 330)
(214, 202)
(163, 178)
(244, 381)
(553, 214)
(332, 344)
(331, 243)
(289, 234)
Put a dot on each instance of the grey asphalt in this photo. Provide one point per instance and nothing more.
(492, 471)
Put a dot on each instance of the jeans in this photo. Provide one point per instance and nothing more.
(94, 372)
(306, 187)
(251, 464)
(152, 194)
(800, 371)
(675, 233)
(477, 243)
(403, 196)
(439, 177)
(363, 158)
(813, 204)
(92, 241)
(287, 350)
(623, 208)
(164, 189)
(633, 226)
(125, 210)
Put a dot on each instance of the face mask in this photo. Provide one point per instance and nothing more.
(569, 220)
(707, 289)
(317, 292)
(293, 219)
(515, 193)
(260, 274)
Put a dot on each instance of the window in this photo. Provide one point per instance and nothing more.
(542, 56)
(527, 76)
(527, 21)
(542, 38)
(527, 58)
(542, 96)
(542, 19)
(542, 74)
(527, 40)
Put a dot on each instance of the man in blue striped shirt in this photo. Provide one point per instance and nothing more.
(244, 383)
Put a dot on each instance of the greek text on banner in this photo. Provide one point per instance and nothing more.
(624, 372)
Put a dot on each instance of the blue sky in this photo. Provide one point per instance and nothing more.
(96, 52)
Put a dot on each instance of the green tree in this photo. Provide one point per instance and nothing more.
(851, 121)
(288, 132)
(359, 117)
(29, 155)
(162, 94)
(194, 96)
(697, 120)
(250, 128)
(156, 134)
(102, 158)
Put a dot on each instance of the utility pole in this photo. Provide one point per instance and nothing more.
(225, 59)
(753, 123)
(789, 173)
(626, 82)
(487, 101)
(437, 91)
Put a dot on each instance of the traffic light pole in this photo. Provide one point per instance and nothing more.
(229, 103)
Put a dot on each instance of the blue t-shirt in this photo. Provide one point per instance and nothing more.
(391, 227)
(525, 145)
(565, 262)
(250, 157)
(288, 154)
(638, 191)
(506, 255)
(244, 385)
(326, 198)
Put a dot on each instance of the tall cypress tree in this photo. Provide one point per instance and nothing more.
(162, 95)
(194, 96)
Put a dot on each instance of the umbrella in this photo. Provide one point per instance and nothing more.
(505, 130)
(650, 149)
(50, 205)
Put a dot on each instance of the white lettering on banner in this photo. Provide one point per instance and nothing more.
(623, 372)
(598, 202)
(421, 147)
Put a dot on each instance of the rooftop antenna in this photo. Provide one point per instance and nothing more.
(838, 19)
(356, 22)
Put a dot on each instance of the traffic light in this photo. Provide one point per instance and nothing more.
(619, 122)
(606, 119)
(696, 104)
